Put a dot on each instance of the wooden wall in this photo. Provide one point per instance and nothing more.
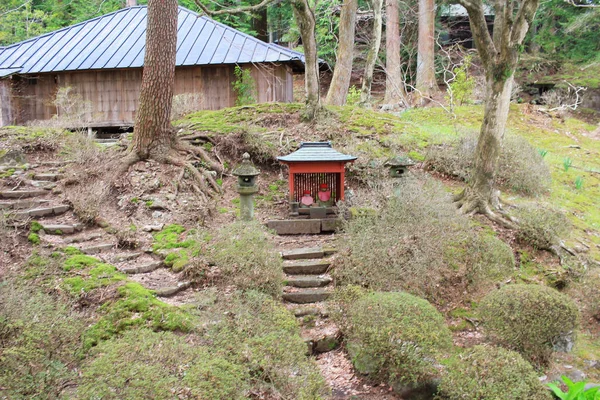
(112, 96)
(6, 116)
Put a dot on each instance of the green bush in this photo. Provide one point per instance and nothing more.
(253, 330)
(395, 337)
(417, 242)
(520, 168)
(40, 343)
(541, 227)
(491, 373)
(160, 365)
(247, 259)
(529, 319)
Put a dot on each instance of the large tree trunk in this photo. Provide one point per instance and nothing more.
(426, 84)
(345, 54)
(305, 18)
(365, 95)
(394, 85)
(153, 135)
(260, 24)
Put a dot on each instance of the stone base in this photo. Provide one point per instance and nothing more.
(303, 226)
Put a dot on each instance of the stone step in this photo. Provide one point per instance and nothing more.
(303, 253)
(172, 290)
(43, 184)
(315, 309)
(97, 248)
(22, 204)
(83, 238)
(43, 212)
(126, 257)
(306, 267)
(322, 339)
(61, 229)
(142, 269)
(47, 177)
(308, 281)
(21, 194)
(306, 296)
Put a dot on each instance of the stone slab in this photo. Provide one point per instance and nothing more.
(47, 177)
(308, 281)
(295, 226)
(306, 296)
(330, 224)
(303, 253)
(99, 248)
(20, 194)
(142, 269)
(306, 267)
(53, 229)
(172, 290)
(21, 204)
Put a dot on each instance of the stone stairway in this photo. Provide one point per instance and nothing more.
(37, 196)
(307, 287)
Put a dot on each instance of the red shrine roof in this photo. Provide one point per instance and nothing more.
(316, 151)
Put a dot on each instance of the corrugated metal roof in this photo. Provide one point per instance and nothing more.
(316, 151)
(118, 39)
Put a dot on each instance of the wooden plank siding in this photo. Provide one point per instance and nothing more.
(113, 94)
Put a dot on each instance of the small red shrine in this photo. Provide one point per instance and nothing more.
(314, 166)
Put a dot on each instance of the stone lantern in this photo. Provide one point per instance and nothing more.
(398, 166)
(246, 187)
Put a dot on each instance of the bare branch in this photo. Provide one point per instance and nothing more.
(15, 9)
(572, 2)
(238, 10)
(483, 40)
(523, 21)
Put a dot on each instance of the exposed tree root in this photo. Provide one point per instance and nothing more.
(471, 202)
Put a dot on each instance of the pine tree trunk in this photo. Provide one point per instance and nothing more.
(153, 135)
(260, 24)
(365, 95)
(426, 83)
(305, 18)
(345, 54)
(394, 85)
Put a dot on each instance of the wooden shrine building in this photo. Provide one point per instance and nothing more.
(101, 60)
(313, 166)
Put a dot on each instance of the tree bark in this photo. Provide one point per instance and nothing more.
(394, 85)
(426, 83)
(499, 55)
(260, 24)
(305, 18)
(153, 135)
(365, 95)
(345, 54)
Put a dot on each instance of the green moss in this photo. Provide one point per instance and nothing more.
(136, 307)
(7, 173)
(79, 261)
(149, 203)
(34, 238)
(168, 238)
(35, 227)
(177, 260)
(71, 251)
(99, 276)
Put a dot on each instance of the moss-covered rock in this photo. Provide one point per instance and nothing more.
(530, 319)
(491, 373)
(395, 337)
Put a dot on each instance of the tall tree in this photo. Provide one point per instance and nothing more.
(344, 56)
(365, 94)
(154, 136)
(426, 84)
(499, 54)
(305, 19)
(394, 85)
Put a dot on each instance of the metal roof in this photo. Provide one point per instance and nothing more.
(316, 151)
(118, 39)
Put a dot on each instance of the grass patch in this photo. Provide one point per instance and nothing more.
(79, 261)
(99, 276)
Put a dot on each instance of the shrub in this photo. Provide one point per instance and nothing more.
(541, 227)
(247, 258)
(529, 319)
(39, 341)
(417, 242)
(244, 86)
(395, 337)
(253, 330)
(486, 373)
(146, 364)
(520, 168)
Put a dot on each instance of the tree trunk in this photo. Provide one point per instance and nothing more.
(497, 103)
(131, 3)
(365, 95)
(305, 18)
(340, 82)
(260, 24)
(426, 83)
(394, 85)
(153, 135)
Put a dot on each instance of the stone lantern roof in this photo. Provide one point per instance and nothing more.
(399, 161)
(246, 168)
